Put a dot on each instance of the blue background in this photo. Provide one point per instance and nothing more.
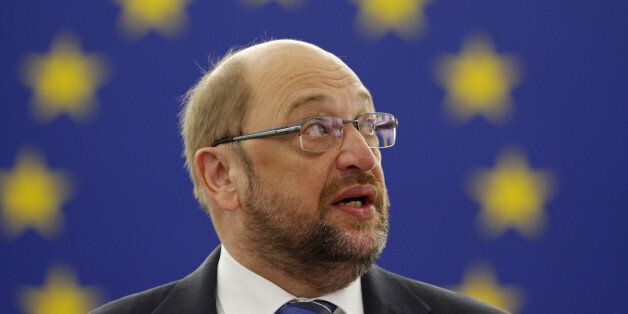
(133, 223)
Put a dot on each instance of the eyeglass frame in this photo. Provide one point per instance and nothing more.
(294, 128)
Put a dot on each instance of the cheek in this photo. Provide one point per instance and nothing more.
(378, 155)
(311, 180)
(291, 174)
(307, 176)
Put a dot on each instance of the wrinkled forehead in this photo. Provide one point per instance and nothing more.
(287, 74)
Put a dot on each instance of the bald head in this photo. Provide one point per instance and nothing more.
(272, 54)
(274, 50)
(274, 67)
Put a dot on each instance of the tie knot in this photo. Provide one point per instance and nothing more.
(307, 307)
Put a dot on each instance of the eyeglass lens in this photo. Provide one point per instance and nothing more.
(320, 134)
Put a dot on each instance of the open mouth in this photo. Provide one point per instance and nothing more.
(357, 201)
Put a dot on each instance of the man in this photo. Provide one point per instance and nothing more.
(282, 143)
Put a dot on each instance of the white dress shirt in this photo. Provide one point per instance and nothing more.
(241, 291)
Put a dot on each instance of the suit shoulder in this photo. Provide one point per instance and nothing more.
(141, 302)
(441, 300)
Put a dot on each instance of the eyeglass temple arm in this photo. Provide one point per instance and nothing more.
(272, 132)
(388, 124)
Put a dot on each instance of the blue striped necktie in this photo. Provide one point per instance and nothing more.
(307, 307)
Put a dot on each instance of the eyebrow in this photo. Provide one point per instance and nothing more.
(363, 93)
(304, 100)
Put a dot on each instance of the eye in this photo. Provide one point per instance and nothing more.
(385, 125)
(367, 127)
(316, 129)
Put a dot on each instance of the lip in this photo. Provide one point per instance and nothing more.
(366, 211)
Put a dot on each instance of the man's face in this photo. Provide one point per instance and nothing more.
(305, 210)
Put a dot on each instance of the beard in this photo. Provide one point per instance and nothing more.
(303, 243)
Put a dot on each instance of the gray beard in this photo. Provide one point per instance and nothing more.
(308, 248)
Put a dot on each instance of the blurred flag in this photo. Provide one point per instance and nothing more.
(91, 171)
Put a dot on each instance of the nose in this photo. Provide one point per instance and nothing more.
(355, 155)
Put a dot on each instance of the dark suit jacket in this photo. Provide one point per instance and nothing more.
(382, 292)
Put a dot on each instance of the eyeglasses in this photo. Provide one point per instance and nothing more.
(319, 134)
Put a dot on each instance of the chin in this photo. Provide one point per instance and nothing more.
(361, 235)
(358, 241)
(366, 243)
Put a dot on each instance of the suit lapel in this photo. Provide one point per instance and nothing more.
(383, 293)
(195, 293)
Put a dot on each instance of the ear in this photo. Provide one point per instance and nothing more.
(213, 169)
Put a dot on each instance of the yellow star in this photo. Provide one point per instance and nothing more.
(478, 81)
(31, 196)
(405, 17)
(512, 195)
(480, 283)
(289, 4)
(64, 81)
(60, 295)
(167, 17)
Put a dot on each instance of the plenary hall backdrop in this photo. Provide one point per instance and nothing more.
(509, 181)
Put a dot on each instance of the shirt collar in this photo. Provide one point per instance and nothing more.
(348, 299)
(239, 290)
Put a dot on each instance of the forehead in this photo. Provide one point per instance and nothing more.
(313, 100)
(297, 78)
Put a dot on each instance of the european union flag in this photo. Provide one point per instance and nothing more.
(507, 181)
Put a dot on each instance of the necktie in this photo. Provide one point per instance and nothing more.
(297, 306)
